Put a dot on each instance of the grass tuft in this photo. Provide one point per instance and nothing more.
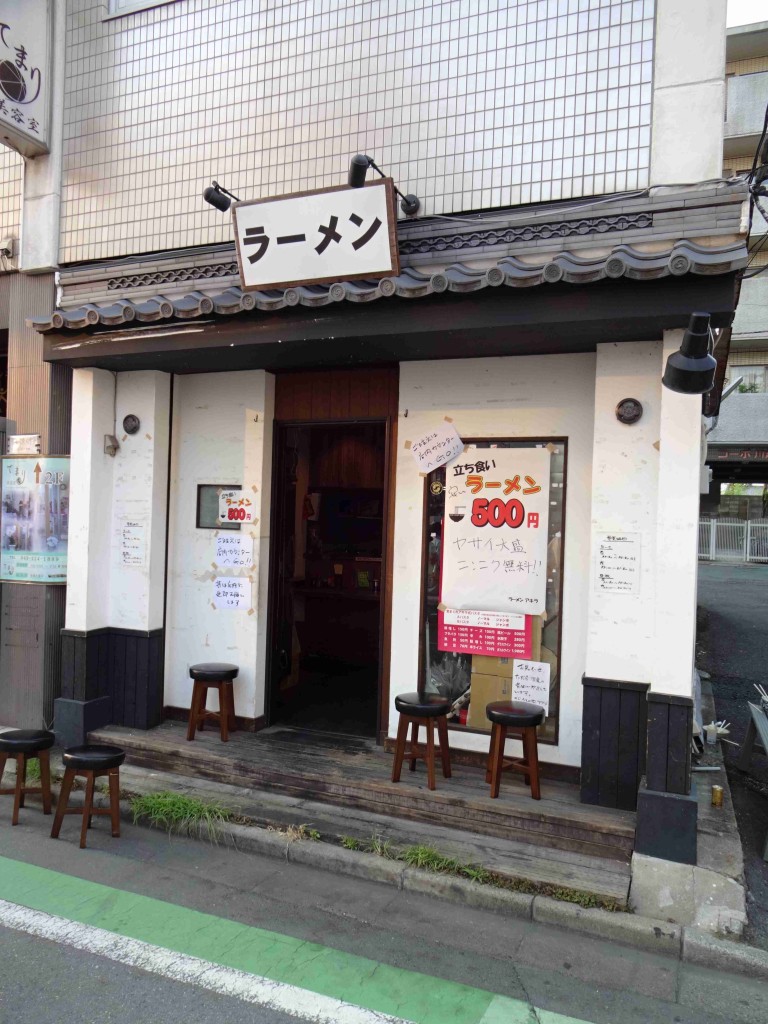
(181, 814)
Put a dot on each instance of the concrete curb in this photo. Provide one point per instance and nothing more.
(640, 932)
(706, 950)
(685, 943)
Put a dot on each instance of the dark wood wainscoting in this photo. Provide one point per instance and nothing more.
(123, 664)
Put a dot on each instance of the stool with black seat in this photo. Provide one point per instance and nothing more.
(24, 744)
(425, 709)
(220, 675)
(523, 718)
(90, 762)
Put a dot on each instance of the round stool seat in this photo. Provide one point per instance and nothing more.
(94, 757)
(26, 741)
(213, 672)
(515, 714)
(422, 705)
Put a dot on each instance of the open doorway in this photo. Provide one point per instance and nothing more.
(327, 578)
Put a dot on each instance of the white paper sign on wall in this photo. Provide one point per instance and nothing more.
(25, 71)
(235, 507)
(329, 235)
(530, 683)
(133, 543)
(232, 592)
(437, 447)
(234, 551)
(617, 569)
(495, 531)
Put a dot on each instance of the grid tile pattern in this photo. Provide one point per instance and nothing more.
(11, 185)
(469, 105)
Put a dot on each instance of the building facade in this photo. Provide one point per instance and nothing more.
(568, 160)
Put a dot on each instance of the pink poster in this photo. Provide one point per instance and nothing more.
(496, 634)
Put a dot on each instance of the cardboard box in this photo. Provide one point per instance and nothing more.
(484, 665)
(485, 689)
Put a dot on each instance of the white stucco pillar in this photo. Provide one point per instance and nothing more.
(677, 536)
(90, 509)
(139, 506)
(620, 639)
(688, 91)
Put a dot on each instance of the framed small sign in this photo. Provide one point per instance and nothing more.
(208, 507)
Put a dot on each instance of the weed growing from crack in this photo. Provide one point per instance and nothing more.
(427, 858)
(181, 814)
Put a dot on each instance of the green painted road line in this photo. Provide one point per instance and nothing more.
(380, 987)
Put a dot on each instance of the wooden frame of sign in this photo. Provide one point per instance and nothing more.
(394, 252)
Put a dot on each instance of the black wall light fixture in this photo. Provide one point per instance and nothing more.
(358, 168)
(219, 197)
(691, 370)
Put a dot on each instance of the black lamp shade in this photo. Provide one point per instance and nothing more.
(691, 370)
(216, 198)
(358, 168)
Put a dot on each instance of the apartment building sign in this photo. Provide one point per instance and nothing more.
(318, 237)
(25, 69)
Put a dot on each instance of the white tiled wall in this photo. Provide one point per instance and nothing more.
(11, 183)
(468, 104)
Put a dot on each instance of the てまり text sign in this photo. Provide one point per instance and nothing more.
(336, 234)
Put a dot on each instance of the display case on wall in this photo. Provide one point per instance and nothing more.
(473, 680)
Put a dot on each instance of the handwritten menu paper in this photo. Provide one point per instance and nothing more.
(618, 563)
(232, 592)
(437, 447)
(133, 543)
(496, 634)
(234, 551)
(530, 683)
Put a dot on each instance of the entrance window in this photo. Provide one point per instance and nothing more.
(460, 675)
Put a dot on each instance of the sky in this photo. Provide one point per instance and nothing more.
(744, 12)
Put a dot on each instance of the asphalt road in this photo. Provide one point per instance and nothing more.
(733, 647)
(583, 979)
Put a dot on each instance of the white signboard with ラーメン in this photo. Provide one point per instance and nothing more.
(495, 531)
(336, 234)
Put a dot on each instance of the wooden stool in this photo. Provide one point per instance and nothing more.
(23, 744)
(422, 709)
(219, 675)
(507, 714)
(90, 761)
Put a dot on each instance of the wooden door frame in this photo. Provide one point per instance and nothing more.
(280, 428)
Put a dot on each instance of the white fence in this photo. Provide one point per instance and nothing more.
(733, 540)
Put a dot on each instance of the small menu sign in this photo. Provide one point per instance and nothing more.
(618, 563)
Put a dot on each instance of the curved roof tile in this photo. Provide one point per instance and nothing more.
(685, 257)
